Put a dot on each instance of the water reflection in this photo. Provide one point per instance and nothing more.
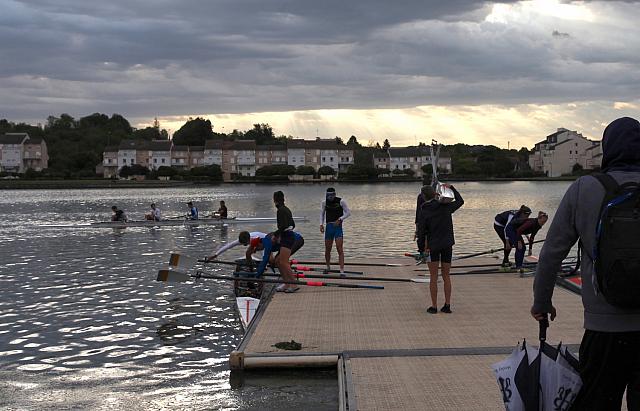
(84, 324)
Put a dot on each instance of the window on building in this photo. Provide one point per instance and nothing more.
(331, 159)
(155, 160)
(162, 161)
(324, 159)
(131, 161)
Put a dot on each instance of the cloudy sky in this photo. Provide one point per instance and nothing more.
(457, 70)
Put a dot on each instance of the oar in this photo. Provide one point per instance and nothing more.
(172, 275)
(305, 268)
(356, 264)
(337, 277)
(488, 252)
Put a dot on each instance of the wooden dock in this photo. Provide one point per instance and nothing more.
(390, 353)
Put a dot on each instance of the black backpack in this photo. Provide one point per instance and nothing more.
(617, 249)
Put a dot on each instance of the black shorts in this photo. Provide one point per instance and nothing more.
(287, 239)
(443, 255)
(297, 244)
(500, 232)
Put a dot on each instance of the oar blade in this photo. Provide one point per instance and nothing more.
(420, 280)
(181, 261)
(172, 276)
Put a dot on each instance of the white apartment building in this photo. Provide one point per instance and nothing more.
(213, 152)
(410, 158)
(243, 158)
(557, 154)
(19, 152)
(160, 154)
(296, 152)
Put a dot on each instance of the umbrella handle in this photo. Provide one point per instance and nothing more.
(544, 324)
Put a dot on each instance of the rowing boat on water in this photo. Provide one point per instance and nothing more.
(170, 223)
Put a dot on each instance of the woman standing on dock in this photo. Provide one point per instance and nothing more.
(435, 218)
(287, 240)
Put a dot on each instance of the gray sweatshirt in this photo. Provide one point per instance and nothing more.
(577, 217)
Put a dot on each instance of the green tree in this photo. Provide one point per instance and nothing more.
(353, 142)
(326, 171)
(386, 145)
(261, 133)
(194, 132)
(305, 171)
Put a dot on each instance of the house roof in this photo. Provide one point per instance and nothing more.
(244, 145)
(133, 144)
(596, 144)
(110, 149)
(213, 144)
(180, 148)
(160, 145)
(271, 147)
(411, 151)
(13, 138)
(34, 140)
(196, 148)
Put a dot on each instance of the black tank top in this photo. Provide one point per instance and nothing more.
(333, 210)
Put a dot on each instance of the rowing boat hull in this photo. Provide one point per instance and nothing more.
(175, 223)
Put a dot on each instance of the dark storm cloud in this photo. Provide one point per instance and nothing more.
(146, 58)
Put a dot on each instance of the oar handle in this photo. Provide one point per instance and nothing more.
(543, 324)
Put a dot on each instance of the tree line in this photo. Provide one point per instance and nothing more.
(75, 147)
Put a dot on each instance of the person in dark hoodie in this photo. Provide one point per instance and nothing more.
(610, 348)
(437, 225)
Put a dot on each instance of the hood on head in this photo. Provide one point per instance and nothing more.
(621, 145)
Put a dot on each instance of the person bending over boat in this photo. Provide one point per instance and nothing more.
(333, 211)
(193, 211)
(500, 223)
(154, 214)
(529, 227)
(286, 238)
(118, 215)
(437, 224)
(272, 243)
(253, 241)
(222, 211)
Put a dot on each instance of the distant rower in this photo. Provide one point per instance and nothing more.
(193, 211)
(154, 214)
(118, 215)
(222, 211)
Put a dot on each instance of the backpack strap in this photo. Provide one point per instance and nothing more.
(609, 183)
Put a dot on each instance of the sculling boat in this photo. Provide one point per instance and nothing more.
(174, 222)
(248, 293)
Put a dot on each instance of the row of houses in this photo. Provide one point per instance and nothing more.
(559, 152)
(244, 157)
(236, 158)
(413, 158)
(19, 152)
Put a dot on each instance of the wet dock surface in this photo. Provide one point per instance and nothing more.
(393, 354)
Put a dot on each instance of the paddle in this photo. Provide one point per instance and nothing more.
(356, 264)
(474, 254)
(338, 277)
(305, 268)
(189, 262)
(172, 275)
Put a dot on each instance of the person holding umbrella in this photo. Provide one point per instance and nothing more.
(610, 348)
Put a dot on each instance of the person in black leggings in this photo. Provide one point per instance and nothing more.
(438, 228)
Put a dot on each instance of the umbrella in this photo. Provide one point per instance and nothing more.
(533, 379)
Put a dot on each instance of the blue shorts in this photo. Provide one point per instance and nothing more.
(333, 231)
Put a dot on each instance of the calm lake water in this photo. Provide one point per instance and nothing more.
(84, 324)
